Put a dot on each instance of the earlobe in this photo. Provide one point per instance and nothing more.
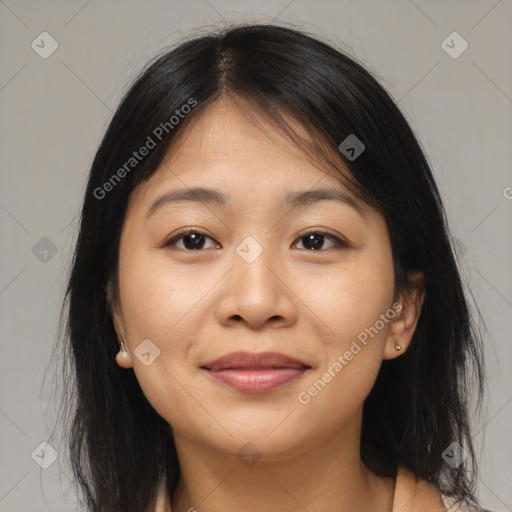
(403, 326)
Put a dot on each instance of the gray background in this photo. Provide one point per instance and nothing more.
(55, 110)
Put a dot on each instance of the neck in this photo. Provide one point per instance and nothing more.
(326, 476)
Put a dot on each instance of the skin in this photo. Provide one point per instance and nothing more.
(311, 304)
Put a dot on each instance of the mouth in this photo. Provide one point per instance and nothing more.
(255, 372)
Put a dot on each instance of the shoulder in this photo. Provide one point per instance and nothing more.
(162, 502)
(456, 507)
(413, 494)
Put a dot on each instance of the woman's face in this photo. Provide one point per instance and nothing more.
(252, 280)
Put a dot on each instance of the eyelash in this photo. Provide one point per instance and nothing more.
(339, 244)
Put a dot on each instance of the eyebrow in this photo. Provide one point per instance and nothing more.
(291, 200)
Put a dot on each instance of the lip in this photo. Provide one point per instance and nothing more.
(255, 372)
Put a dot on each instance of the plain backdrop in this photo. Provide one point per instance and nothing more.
(54, 111)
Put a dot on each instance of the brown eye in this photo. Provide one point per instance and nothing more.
(192, 240)
(195, 240)
(315, 241)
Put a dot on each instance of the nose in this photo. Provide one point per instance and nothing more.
(257, 292)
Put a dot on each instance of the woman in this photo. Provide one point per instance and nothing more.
(265, 312)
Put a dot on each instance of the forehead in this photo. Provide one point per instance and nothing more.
(233, 133)
(234, 149)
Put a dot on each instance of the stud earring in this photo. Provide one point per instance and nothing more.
(398, 347)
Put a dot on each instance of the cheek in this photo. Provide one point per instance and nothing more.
(157, 305)
(351, 298)
(157, 296)
(353, 337)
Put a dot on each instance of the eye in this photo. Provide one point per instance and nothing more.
(193, 239)
(313, 240)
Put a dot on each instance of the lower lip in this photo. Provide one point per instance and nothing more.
(256, 381)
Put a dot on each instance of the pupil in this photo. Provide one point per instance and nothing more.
(195, 239)
(313, 239)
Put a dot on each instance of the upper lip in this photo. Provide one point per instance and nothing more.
(254, 360)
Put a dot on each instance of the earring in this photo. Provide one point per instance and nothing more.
(125, 353)
(398, 347)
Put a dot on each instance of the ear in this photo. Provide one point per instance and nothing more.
(123, 357)
(403, 325)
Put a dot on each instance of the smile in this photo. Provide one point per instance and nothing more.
(255, 372)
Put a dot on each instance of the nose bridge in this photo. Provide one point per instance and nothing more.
(254, 292)
(253, 260)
